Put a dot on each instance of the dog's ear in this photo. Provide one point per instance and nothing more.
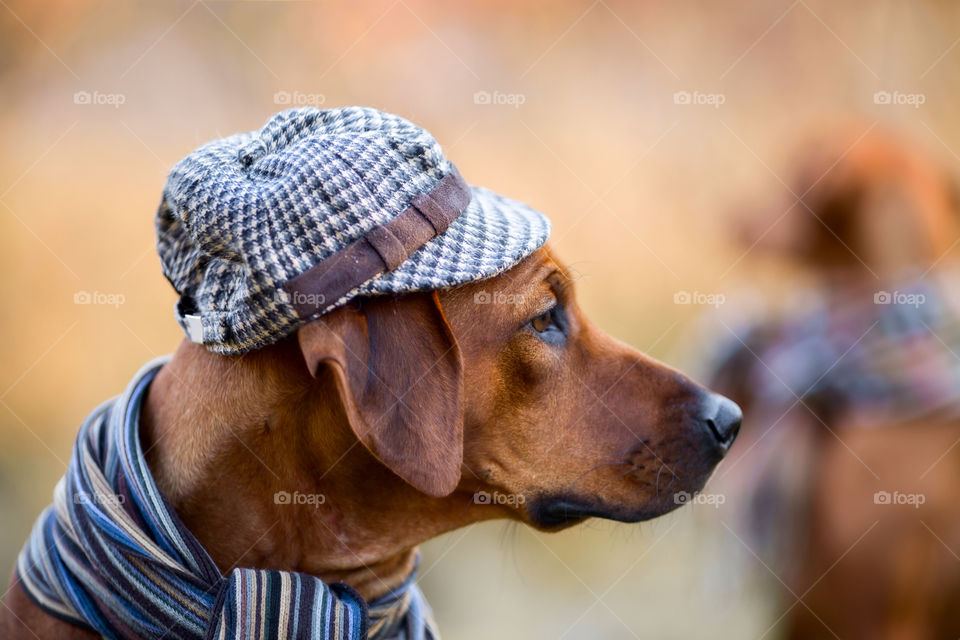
(400, 376)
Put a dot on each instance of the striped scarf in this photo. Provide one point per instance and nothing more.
(111, 555)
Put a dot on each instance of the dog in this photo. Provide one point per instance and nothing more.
(525, 399)
(853, 490)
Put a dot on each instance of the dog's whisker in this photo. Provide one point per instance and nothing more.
(611, 481)
(597, 468)
(642, 487)
(672, 479)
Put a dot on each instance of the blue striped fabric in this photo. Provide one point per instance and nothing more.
(111, 555)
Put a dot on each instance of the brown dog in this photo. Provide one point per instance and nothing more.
(400, 410)
(873, 210)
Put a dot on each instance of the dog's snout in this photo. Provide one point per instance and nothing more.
(722, 417)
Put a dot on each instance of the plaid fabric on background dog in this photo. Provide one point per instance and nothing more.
(889, 356)
(111, 555)
(873, 358)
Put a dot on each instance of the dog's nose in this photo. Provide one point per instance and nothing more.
(722, 417)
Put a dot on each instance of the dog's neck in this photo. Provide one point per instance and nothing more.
(260, 463)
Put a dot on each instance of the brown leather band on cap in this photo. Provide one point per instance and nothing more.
(382, 249)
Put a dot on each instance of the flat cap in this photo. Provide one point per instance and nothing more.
(261, 232)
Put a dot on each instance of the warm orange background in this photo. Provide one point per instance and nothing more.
(642, 193)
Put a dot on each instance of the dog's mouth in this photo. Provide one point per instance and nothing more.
(553, 512)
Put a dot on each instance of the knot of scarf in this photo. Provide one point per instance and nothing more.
(112, 556)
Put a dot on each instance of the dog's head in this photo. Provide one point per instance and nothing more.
(503, 394)
(859, 199)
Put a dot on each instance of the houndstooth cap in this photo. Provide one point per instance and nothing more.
(261, 232)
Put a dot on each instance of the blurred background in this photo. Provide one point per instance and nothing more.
(655, 135)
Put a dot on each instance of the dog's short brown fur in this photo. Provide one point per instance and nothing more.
(398, 410)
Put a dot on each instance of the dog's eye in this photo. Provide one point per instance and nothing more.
(549, 326)
(542, 322)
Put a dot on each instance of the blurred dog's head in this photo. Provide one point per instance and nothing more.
(860, 200)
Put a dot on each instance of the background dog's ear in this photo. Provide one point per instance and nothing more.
(400, 376)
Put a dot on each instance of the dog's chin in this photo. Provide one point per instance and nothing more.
(556, 511)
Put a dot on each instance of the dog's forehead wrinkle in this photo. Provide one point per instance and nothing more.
(531, 271)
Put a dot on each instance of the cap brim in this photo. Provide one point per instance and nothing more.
(493, 234)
